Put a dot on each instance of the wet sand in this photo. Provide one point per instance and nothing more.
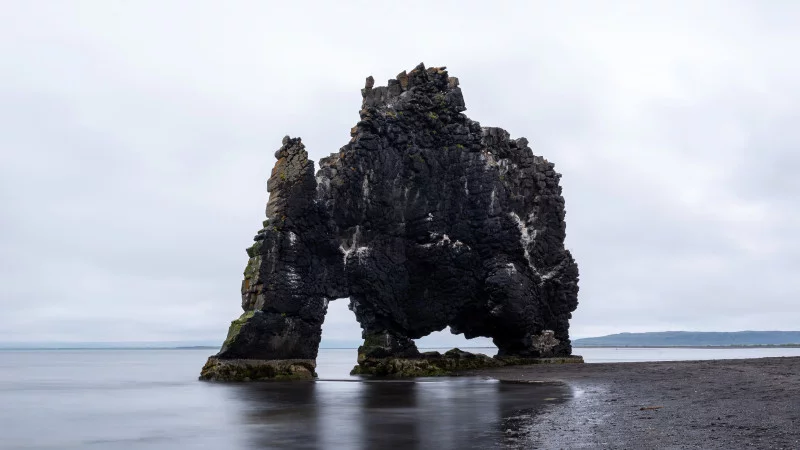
(730, 404)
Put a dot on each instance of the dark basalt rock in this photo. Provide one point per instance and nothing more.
(424, 220)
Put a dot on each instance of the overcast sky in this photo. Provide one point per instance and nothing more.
(137, 138)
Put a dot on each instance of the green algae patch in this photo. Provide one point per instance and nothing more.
(229, 370)
(371, 342)
(434, 364)
(525, 361)
(251, 269)
(255, 249)
(236, 327)
(399, 367)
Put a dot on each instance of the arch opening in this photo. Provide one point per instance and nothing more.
(341, 336)
(444, 340)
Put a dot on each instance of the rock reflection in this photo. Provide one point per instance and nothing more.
(281, 414)
(518, 405)
(390, 415)
(443, 413)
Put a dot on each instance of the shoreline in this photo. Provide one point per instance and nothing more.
(726, 403)
(210, 347)
(701, 347)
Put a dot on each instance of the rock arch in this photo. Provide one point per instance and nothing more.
(425, 220)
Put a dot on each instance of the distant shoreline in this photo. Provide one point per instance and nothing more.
(577, 347)
(193, 347)
(716, 339)
(104, 348)
(735, 346)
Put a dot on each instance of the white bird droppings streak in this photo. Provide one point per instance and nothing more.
(293, 277)
(524, 237)
(365, 189)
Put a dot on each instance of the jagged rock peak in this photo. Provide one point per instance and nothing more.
(428, 81)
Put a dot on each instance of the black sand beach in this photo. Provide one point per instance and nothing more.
(749, 403)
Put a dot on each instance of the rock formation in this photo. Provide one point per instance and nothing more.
(424, 220)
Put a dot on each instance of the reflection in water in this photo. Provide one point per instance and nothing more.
(517, 412)
(151, 399)
(389, 415)
(281, 415)
(437, 413)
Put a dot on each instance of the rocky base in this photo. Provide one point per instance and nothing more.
(258, 369)
(525, 361)
(432, 364)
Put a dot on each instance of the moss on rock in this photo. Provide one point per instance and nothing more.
(399, 367)
(236, 327)
(434, 364)
(254, 249)
(251, 267)
(217, 369)
(524, 361)
(427, 365)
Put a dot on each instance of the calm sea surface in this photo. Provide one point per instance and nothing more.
(151, 399)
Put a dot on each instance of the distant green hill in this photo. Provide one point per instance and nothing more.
(691, 339)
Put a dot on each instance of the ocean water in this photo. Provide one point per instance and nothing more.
(151, 399)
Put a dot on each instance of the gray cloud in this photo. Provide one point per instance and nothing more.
(137, 138)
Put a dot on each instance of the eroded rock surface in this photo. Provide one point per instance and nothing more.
(424, 220)
(431, 364)
(258, 369)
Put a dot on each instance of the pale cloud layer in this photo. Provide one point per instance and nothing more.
(137, 137)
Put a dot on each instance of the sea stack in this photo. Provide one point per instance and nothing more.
(424, 220)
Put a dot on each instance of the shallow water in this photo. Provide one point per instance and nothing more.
(151, 399)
